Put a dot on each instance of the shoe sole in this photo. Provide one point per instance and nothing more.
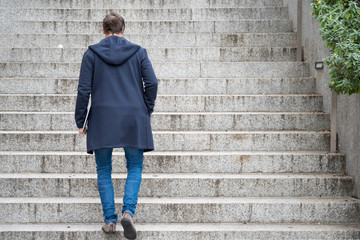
(108, 232)
(129, 230)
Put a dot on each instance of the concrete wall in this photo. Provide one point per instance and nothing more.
(348, 117)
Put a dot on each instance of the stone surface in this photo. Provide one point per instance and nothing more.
(172, 86)
(149, 27)
(185, 210)
(176, 141)
(124, 4)
(255, 54)
(177, 14)
(149, 40)
(240, 134)
(75, 231)
(176, 103)
(178, 162)
(196, 121)
(348, 115)
(173, 185)
(169, 70)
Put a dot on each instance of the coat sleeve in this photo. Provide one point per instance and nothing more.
(150, 81)
(84, 87)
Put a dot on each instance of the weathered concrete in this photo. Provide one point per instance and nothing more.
(177, 14)
(236, 116)
(149, 27)
(124, 4)
(185, 185)
(254, 54)
(197, 121)
(177, 103)
(179, 162)
(168, 69)
(172, 86)
(77, 231)
(148, 40)
(176, 141)
(348, 124)
(185, 210)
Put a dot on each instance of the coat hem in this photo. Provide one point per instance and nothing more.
(146, 149)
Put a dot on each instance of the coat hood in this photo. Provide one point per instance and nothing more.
(115, 50)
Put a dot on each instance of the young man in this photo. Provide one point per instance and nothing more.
(119, 76)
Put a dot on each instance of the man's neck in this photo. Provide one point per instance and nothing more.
(110, 34)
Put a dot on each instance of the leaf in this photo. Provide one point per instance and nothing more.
(342, 36)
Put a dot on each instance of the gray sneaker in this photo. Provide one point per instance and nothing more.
(109, 228)
(128, 224)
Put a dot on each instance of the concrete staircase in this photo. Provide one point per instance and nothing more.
(241, 140)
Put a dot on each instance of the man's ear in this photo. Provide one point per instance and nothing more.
(122, 31)
(103, 31)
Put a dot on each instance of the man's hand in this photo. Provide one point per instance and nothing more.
(81, 132)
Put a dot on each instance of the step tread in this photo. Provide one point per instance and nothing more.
(157, 21)
(180, 175)
(207, 227)
(182, 153)
(160, 78)
(131, 4)
(188, 200)
(179, 132)
(171, 95)
(191, 62)
(146, 34)
(161, 48)
(136, 8)
(181, 113)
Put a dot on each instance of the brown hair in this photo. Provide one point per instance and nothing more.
(113, 23)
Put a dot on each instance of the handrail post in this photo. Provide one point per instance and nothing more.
(333, 115)
(299, 53)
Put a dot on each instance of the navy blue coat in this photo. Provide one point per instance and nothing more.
(123, 86)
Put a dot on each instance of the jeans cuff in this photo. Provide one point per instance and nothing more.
(131, 214)
(111, 220)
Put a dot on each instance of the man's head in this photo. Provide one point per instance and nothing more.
(113, 23)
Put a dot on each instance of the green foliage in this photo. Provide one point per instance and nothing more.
(340, 29)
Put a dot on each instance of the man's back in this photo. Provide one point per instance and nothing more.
(114, 71)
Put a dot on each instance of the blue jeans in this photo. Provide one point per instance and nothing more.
(134, 165)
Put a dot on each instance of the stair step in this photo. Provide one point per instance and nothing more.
(177, 184)
(173, 14)
(149, 27)
(148, 40)
(178, 162)
(169, 70)
(176, 103)
(176, 141)
(241, 142)
(181, 210)
(241, 54)
(231, 85)
(196, 121)
(176, 86)
(124, 4)
(180, 231)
